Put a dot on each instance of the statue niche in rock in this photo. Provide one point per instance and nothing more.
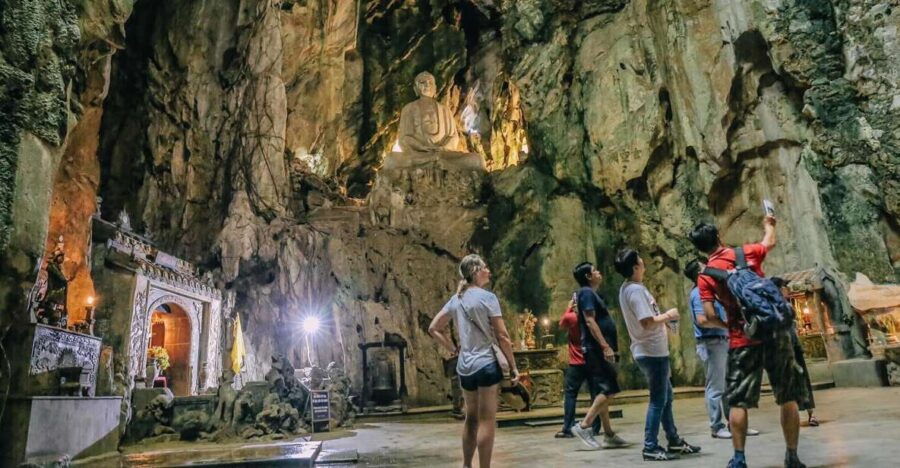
(428, 133)
(52, 289)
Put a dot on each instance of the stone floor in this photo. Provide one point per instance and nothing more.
(860, 427)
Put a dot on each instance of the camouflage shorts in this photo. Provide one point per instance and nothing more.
(776, 356)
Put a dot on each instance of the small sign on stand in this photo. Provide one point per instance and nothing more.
(321, 410)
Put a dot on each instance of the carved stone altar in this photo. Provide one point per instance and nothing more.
(543, 365)
(41, 397)
(50, 349)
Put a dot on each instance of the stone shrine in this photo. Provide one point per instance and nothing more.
(150, 298)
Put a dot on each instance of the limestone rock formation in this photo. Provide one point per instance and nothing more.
(247, 137)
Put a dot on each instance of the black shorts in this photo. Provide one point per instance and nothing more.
(602, 376)
(776, 356)
(484, 377)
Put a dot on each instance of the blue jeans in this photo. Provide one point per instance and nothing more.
(657, 372)
(714, 356)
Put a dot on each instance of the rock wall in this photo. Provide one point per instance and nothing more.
(644, 118)
(54, 63)
(247, 136)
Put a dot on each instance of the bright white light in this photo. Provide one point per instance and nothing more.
(311, 324)
(90, 300)
(396, 148)
(545, 321)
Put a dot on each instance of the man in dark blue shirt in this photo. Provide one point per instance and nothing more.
(588, 299)
(599, 342)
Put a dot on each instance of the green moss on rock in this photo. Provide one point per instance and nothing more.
(37, 53)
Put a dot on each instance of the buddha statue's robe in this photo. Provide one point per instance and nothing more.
(427, 126)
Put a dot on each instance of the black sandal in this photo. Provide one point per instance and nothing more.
(563, 435)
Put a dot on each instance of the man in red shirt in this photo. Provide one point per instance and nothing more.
(576, 373)
(748, 357)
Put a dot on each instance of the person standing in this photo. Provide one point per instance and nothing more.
(650, 348)
(712, 350)
(599, 342)
(576, 373)
(807, 404)
(748, 357)
(479, 325)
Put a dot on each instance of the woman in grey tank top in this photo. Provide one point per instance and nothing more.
(479, 324)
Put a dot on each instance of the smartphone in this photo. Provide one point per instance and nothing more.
(769, 208)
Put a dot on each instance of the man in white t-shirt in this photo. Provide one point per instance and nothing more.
(650, 348)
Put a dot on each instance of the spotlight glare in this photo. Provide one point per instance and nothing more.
(310, 324)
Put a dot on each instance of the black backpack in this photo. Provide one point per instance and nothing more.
(762, 305)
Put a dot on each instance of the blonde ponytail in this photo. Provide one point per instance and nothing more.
(461, 288)
(468, 267)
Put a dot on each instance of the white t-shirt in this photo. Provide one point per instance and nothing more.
(474, 346)
(637, 303)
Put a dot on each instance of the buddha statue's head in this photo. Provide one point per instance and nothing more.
(425, 85)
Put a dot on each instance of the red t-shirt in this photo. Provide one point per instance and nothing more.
(569, 322)
(712, 290)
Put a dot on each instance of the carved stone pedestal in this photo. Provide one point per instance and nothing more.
(440, 203)
(72, 427)
(447, 160)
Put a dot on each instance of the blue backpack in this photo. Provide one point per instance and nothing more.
(763, 307)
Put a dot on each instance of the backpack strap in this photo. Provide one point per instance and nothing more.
(740, 260)
(715, 273)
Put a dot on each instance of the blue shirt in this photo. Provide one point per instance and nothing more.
(589, 300)
(697, 309)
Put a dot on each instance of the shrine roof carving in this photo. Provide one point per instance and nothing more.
(152, 262)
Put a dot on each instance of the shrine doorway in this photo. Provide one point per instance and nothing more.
(170, 328)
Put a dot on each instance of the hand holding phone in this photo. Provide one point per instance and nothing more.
(769, 208)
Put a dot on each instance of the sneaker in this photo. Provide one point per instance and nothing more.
(613, 441)
(586, 436)
(658, 454)
(683, 447)
(721, 434)
(736, 463)
(563, 435)
(752, 432)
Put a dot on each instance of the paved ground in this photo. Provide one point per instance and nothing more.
(860, 427)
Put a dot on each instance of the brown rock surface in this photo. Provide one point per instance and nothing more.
(234, 133)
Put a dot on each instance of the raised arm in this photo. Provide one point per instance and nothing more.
(768, 239)
(438, 329)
